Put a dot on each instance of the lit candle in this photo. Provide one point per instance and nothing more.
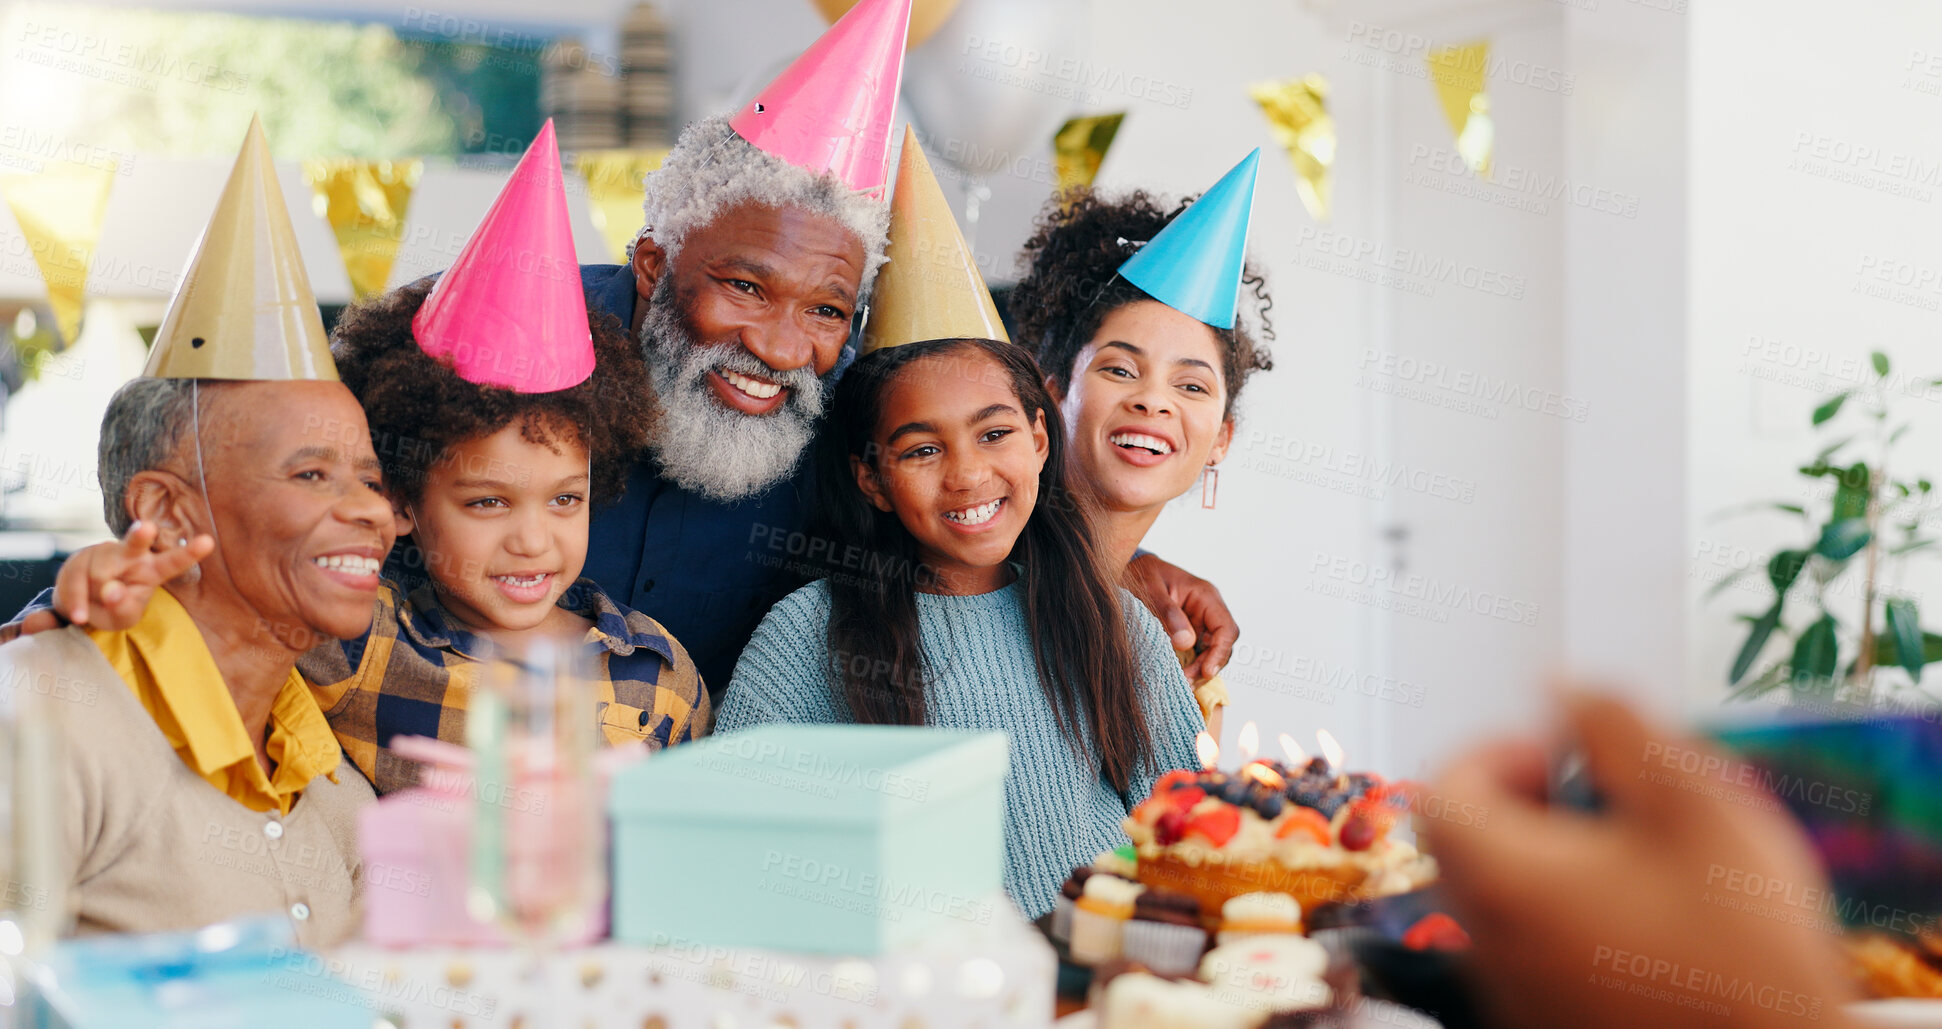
(1296, 758)
(1332, 752)
(1208, 749)
(1249, 741)
(1261, 772)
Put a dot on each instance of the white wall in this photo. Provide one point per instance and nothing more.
(1626, 282)
(1814, 158)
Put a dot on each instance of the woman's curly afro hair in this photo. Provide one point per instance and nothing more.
(1071, 283)
(419, 409)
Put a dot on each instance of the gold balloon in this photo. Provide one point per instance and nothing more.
(925, 16)
(930, 287)
(365, 202)
(60, 210)
(614, 190)
(1080, 145)
(1297, 110)
(1458, 73)
(244, 309)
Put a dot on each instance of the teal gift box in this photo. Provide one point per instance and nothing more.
(833, 839)
(245, 974)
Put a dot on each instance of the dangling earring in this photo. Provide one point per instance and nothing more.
(1209, 486)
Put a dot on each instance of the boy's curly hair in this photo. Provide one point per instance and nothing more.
(419, 408)
(1071, 283)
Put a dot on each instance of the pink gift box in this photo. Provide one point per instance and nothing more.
(416, 845)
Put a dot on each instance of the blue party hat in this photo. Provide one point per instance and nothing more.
(1194, 264)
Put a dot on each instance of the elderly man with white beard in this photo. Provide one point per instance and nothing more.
(763, 234)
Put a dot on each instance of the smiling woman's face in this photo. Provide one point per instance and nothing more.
(1146, 409)
(301, 524)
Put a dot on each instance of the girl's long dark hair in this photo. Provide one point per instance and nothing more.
(1080, 639)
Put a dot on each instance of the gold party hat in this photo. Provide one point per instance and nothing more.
(244, 309)
(930, 287)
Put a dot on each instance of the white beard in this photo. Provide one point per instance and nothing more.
(703, 446)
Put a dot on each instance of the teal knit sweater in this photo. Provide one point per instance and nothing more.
(1059, 810)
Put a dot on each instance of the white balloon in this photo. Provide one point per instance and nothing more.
(986, 88)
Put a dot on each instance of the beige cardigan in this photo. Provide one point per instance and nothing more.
(152, 846)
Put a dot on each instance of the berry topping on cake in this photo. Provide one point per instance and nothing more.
(1307, 821)
(1218, 825)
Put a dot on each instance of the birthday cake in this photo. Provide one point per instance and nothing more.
(1308, 831)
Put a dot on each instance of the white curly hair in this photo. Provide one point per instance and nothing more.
(711, 169)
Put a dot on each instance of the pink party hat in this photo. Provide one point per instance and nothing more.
(510, 311)
(830, 110)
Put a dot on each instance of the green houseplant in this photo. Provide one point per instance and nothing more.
(1840, 585)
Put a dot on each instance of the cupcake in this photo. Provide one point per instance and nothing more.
(1099, 918)
(1137, 1000)
(1269, 973)
(1062, 908)
(1258, 914)
(1165, 933)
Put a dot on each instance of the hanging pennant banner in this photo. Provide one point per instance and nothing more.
(60, 210)
(1297, 110)
(1458, 73)
(365, 202)
(614, 191)
(1080, 146)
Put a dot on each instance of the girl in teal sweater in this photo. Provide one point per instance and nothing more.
(965, 591)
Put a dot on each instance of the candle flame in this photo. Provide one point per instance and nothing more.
(1330, 750)
(1261, 773)
(1208, 749)
(1248, 742)
(1296, 756)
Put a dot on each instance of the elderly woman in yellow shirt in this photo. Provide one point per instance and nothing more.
(201, 779)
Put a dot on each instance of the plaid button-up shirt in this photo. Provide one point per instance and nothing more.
(412, 672)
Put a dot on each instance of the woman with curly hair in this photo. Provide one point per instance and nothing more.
(1147, 391)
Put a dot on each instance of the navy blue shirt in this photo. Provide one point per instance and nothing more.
(707, 571)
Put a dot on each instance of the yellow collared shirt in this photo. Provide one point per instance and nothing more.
(164, 660)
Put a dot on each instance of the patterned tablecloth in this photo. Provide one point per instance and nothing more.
(998, 973)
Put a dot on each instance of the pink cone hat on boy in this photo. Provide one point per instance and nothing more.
(510, 311)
